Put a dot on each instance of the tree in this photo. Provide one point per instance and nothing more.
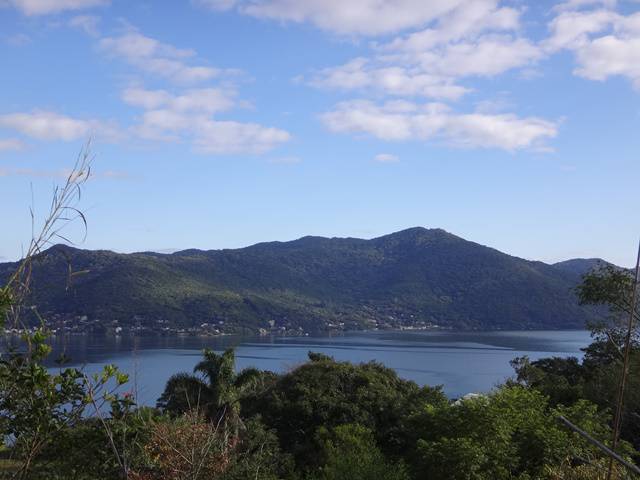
(324, 393)
(598, 377)
(217, 390)
(611, 288)
(38, 406)
(350, 452)
(508, 434)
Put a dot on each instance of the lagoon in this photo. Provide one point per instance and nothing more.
(463, 362)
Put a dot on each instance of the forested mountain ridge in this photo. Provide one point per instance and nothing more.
(580, 266)
(415, 277)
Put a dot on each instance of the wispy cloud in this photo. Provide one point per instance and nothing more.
(402, 121)
(206, 100)
(46, 7)
(157, 58)
(47, 125)
(353, 17)
(386, 158)
(7, 144)
(188, 116)
(61, 174)
(87, 23)
(477, 38)
(18, 40)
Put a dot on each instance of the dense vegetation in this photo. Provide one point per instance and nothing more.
(415, 277)
(324, 420)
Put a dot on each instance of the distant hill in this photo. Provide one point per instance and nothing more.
(580, 266)
(413, 277)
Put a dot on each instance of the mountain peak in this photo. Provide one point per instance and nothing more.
(416, 277)
(580, 266)
(419, 234)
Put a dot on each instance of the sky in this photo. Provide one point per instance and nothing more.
(223, 123)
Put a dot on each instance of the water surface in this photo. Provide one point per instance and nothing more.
(462, 362)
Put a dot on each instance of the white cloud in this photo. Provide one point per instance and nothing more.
(208, 100)
(577, 4)
(402, 120)
(154, 57)
(209, 135)
(475, 39)
(608, 56)
(432, 73)
(87, 23)
(386, 158)
(18, 40)
(363, 74)
(44, 125)
(360, 17)
(223, 137)
(486, 56)
(467, 21)
(7, 144)
(45, 7)
(571, 30)
(605, 43)
(187, 117)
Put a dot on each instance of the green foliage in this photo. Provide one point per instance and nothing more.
(508, 434)
(218, 392)
(5, 303)
(325, 420)
(190, 446)
(41, 410)
(82, 451)
(561, 379)
(350, 452)
(326, 394)
(412, 276)
(566, 381)
(609, 286)
(258, 455)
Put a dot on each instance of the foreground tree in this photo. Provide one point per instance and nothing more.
(324, 394)
(597, 378)
(38, 406)
(215, 389)
(350, 452)
(509, 434)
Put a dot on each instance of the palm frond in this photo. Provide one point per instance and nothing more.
(185, 392)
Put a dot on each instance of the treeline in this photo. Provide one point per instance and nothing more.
(323, 420)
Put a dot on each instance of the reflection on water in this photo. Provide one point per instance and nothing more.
(461, 361)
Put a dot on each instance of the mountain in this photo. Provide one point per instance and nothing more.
(580, 266)
(415, 277)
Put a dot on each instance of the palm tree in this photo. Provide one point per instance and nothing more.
(215, 388)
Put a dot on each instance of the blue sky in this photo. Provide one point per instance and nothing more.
(222, 123)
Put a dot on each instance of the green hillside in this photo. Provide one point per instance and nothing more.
(415, 277)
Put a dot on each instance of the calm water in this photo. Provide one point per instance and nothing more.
(461, 361)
